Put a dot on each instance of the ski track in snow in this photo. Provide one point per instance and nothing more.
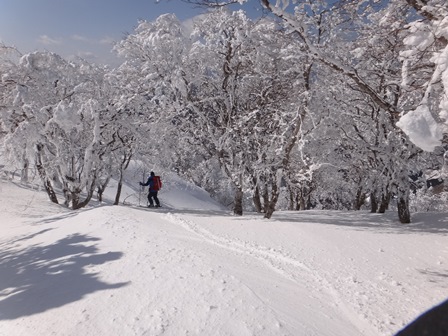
(376, 300)
(180, 273)
(284, 264)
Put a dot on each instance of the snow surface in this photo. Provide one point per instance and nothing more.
(191, 268)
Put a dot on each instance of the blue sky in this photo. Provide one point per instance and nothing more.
(80, 27)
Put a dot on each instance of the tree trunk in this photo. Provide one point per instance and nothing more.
(257, 200)
(404, 214)
(384, 205)
(44, 177)
(291, 200)
(90, 192)
(297, 201)
(101, 188)
(238, 202)
(359, 200)
(309, 205)
(67, 195)
(302, 203)
(24, 175)
(118, 194)
(265, 197)
(270, 207)
(373, 203)
(124, 165)
(74, 196)
(99, 193)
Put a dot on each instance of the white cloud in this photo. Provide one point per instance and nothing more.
(45, 39)
(86, 55)
(80, 38)
(107, 40)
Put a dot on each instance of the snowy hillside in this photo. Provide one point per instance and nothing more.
(191, 268)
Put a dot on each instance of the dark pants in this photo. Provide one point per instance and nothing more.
(153, 195)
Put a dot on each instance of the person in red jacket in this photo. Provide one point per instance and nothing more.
(154, 186)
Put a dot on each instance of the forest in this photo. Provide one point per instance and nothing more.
(314, 104)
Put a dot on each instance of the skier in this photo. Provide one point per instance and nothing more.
(154, 184)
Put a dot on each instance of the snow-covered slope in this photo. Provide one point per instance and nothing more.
(191, 268)
(175, 193)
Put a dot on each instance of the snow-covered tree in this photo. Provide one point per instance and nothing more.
(57, 109)
(335, 35)
(147, 87)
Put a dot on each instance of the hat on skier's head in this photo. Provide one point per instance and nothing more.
(152, 174)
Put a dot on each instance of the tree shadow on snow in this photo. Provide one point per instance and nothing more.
(55, 218)
(436, 223)
(41, 277)
(28, 237)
